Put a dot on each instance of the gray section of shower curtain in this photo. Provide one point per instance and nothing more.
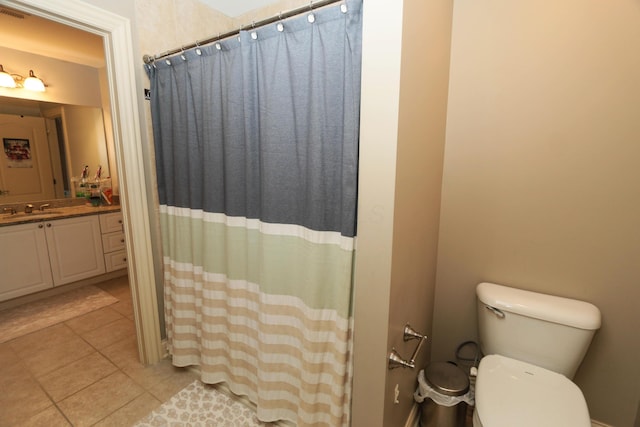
(280, 143)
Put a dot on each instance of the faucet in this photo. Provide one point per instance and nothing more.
(28, 208)
(43, 207)
(12, 210)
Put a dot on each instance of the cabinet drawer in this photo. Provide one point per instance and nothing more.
(111, 222)
(112, 242)
(115, 260)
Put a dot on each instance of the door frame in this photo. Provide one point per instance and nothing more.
(125, 111)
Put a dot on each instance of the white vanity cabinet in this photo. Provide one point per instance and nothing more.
(24, 260)
(39, 255)
(75, 248)
(113, 242)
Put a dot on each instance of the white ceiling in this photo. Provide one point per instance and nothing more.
(234, 8)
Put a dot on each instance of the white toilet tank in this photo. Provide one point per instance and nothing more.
(544, 330)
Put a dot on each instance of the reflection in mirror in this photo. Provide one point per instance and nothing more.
(46, 146)
(49, 137)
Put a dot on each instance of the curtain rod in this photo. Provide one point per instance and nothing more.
(148, 59)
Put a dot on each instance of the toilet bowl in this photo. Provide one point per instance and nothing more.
(513, 393)
(533, 343)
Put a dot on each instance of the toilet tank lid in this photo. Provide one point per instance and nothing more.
(565, 311)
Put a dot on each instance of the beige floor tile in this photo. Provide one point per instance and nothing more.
(69, 379)
(8, 357)
(49, 349)
(132, 412)
(100, 399)
(118, 287)
(94, 320)
(151, 376)
(110, 333)
(123, 353)
(50, 417)
(40, 340)
(21, 397)
(165, 389)
(125, 308)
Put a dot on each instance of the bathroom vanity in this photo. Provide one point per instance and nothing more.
(55, 247)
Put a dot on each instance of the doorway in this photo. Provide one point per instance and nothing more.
(116, 33)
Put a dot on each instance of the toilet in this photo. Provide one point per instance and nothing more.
(533, 345)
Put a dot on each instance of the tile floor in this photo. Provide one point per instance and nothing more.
(84, 372)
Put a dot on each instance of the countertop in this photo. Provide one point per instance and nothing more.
(54, 213)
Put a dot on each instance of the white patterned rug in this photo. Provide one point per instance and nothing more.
(202, 405)
(33, 316)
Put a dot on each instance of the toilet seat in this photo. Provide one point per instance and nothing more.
(514, 393)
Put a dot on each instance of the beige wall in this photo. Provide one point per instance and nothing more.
(165, 25)
(542, 179)
(426, 40)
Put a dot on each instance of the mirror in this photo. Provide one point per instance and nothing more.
(45, 146)
(49, 137)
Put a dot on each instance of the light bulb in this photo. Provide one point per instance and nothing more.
(33, 83)
(5, 79)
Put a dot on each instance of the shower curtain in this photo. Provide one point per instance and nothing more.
(256, 145)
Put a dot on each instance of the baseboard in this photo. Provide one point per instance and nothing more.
(414, 416)
(595, 423)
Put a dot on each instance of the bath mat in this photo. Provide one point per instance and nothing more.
(33, 316)
(202, 405)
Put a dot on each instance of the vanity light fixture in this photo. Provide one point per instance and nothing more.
(5, 79)
(12, 81)
(33, 83)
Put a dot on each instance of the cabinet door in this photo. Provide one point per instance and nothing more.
(24, 261)
(75, 248)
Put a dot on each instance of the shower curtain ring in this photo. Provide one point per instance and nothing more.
(280, 25)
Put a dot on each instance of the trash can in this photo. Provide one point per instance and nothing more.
(443, 391)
